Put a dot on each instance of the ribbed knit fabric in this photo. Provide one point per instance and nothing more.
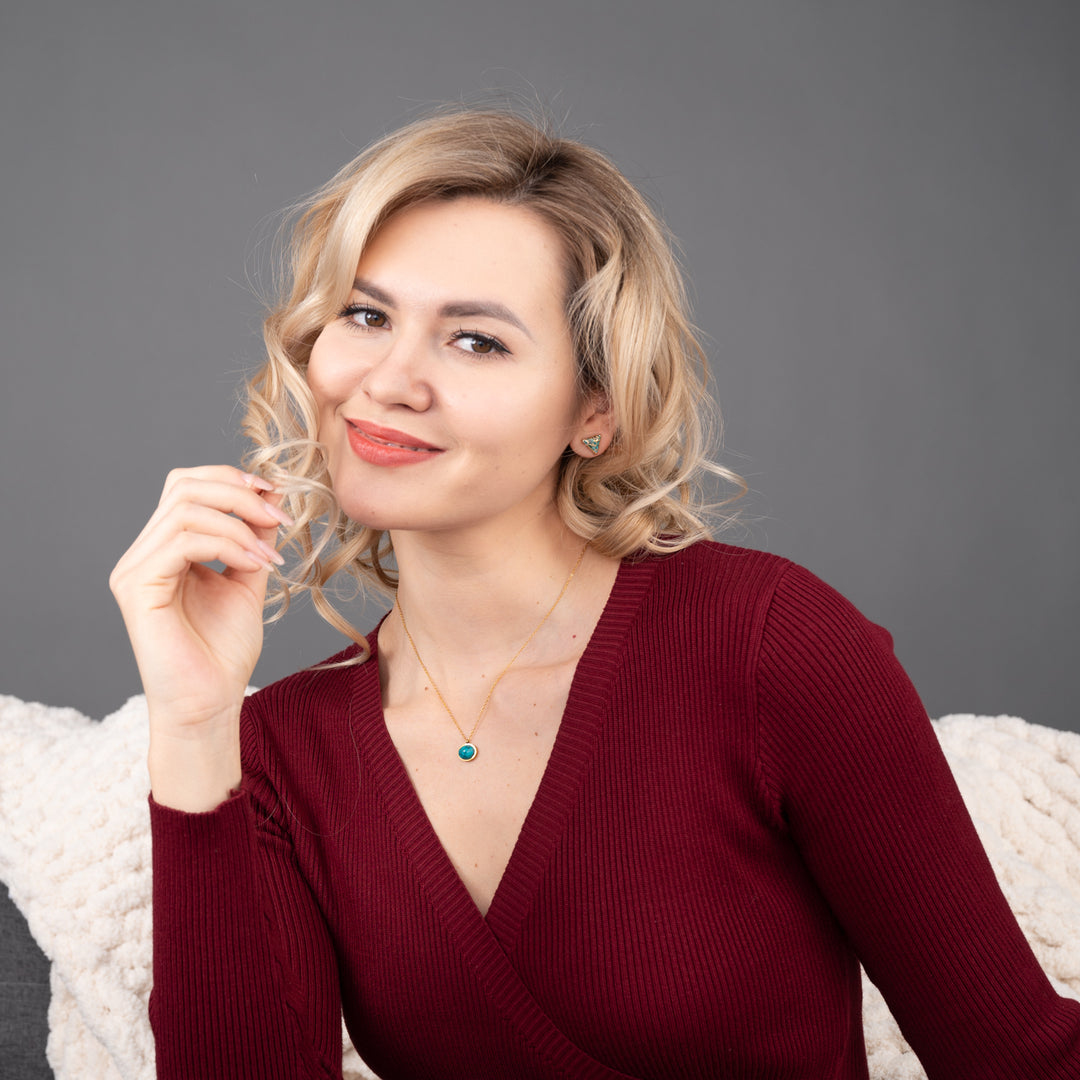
(745, 799)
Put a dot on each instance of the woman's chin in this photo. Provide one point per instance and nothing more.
(383, 519)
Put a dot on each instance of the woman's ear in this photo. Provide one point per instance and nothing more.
(596, 429)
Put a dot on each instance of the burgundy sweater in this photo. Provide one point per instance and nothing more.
(745, 800)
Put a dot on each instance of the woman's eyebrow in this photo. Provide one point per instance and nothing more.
(457, 309)
(464, 309)
(360, 285)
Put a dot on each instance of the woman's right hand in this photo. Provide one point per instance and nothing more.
(197, 632)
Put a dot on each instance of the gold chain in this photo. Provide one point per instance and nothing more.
(467, 751)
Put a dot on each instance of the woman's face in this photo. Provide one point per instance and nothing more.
(446, 389)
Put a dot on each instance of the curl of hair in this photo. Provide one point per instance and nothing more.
(627, 311)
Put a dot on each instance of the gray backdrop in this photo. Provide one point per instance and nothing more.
(879, 208)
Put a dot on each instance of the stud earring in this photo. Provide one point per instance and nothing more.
(593, 443)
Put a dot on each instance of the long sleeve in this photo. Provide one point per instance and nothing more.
(745, 799)
(855, 772)
(245, 979)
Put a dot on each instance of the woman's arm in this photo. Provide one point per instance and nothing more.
(197, 633)
(245, 983)
(245, 978)
(856, 772)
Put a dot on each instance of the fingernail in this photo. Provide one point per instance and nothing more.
(257, 483)
(270, 553)
(279, 514)
(259, 560)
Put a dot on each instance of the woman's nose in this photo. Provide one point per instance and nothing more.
(399, 376)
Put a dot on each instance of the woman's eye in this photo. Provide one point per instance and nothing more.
(480, 344)
(362, 316)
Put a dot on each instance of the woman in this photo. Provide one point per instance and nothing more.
(599, 797)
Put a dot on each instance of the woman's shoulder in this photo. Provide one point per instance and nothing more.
(725, 560)
(293, 729)
(793, 624)
(764, 587)
(710, 570)
(323, 685)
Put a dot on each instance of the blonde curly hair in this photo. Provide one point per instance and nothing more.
(626, 309)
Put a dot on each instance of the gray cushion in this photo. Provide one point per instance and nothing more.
(24, 998)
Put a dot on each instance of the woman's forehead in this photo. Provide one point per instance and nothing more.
(462, 253)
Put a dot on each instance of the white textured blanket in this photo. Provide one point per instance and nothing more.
(75, 853)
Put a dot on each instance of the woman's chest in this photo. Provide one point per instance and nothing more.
(661, 928)
(477, 803)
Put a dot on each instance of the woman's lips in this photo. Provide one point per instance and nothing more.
(387, 446)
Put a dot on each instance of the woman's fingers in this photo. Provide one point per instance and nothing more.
(160, 548)
(199, 518)
(151, 579)
(206, 514)
(225, 493)
(238, 508)
(226, 474)
(197, 633)
(192, 547)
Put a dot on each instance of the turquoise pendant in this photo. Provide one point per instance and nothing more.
(466, 751)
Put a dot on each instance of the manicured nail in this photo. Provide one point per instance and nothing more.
(260, 561)
(270, 553)
(257, 483)
(279, 514)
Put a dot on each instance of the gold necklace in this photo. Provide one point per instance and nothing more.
(467, 751)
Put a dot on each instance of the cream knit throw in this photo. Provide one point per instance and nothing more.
(75, 853)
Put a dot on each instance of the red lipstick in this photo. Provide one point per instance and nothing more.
(386, 446)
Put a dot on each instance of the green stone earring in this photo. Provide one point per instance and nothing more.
(593, 443)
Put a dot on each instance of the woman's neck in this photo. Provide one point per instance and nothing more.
(470, 604)
(477, 593)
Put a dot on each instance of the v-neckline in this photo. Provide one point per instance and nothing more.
(556, 794)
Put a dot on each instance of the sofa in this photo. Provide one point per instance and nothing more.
(75, 855)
